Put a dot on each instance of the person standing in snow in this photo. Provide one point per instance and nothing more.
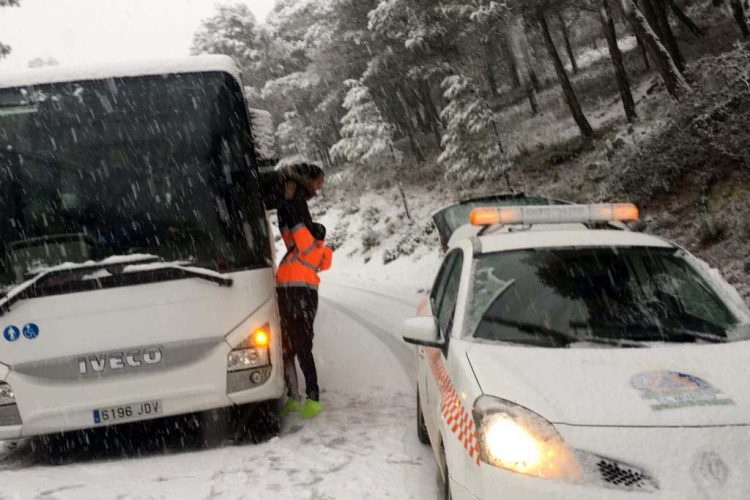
(297, 283)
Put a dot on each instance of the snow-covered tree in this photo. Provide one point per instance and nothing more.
(366, 137)
(233, 31)
(38, 62)
(5, 49)
(665, 63)
(293, 136)
(471, 143)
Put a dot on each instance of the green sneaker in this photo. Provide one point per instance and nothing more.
(311, 409)
(291, 406)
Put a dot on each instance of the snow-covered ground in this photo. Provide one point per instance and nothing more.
(362, 446)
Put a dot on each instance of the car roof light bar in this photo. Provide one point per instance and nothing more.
(560, 214)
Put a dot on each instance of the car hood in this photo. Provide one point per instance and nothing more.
(666, 385)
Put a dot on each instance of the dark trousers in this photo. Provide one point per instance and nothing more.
(298, 307)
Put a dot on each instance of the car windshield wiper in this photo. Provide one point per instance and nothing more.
(497, 295)
(672, 334)
(566, 338)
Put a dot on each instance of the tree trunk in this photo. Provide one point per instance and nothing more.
(403, 199)
(519, 46)
(432, 112)
(531, 95)
(647, 7)
(667, 35)
(568, 45)
(489, 71)
(676, 84)
(740, 17)
(610, 33)
(570, 96)
(511, 60)
(529, 58)
(696, 30)
(644, 52)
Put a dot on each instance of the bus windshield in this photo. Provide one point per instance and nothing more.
(158, 165)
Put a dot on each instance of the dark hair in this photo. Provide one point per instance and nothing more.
(307, 170)
(318, 231)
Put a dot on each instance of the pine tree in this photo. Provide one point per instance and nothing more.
(5, 49)
(232, 31)
(366, 138)
(471, 143)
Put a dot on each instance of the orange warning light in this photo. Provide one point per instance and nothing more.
(260, 337)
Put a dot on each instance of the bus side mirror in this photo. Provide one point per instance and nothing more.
(421, 331)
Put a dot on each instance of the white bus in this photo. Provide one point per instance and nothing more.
(136, 269)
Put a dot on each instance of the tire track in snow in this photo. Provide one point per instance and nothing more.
(403, 354)
(393, 298)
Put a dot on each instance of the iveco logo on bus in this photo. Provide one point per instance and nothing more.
(120, 361)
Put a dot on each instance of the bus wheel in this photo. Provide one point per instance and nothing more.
(257, 422)
(213, 427)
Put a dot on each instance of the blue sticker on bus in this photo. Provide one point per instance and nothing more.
(11, 333)
(97, 417)
(31, 331)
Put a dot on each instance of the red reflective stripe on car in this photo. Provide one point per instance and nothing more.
(460, 421)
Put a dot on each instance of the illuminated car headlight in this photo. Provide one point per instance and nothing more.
(516, 439)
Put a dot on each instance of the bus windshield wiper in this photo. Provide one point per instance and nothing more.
(118, 265)
(183, 268)
(40, 276)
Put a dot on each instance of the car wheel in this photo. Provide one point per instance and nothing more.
(422, 434)
(446, 486)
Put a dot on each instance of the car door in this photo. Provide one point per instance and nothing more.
(444, 304)
(437, 293)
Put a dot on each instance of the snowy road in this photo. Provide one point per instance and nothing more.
(362, 446)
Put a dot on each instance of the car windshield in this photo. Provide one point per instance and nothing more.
(562, 297)
(158, 165)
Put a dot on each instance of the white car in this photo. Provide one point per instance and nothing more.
(563, 356)
(136, 268)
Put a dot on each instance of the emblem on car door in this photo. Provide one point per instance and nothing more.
(709, 471)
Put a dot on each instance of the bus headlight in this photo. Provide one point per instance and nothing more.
(6, 395)
(249, 364)
(245, 359)
(8, 409)
(252, 352)
(516, 439)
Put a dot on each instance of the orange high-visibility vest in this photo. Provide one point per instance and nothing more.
(304, 260)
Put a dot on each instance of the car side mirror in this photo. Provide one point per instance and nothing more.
(421, 331)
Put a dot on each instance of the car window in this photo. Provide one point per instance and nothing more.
(559, 297)
(447, 308)
(438, 289)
